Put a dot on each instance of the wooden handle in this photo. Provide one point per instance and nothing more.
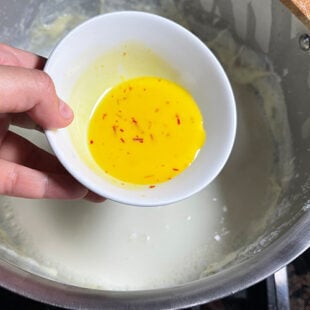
(300, 8)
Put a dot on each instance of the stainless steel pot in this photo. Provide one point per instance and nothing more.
(267, 232)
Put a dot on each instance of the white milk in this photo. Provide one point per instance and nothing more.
(114, 246)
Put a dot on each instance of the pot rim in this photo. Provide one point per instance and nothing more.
(272, 258)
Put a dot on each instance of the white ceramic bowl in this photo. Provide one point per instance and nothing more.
(197, 70)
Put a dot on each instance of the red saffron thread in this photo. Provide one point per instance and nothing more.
(104, 115)
(149, 176)
(114, 127)
(138, 139)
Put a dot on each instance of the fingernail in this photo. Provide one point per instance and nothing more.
(65, 110)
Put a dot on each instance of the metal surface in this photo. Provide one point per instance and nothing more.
(290, 231)
(304, 42)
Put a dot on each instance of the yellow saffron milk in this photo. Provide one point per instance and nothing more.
(145, 130)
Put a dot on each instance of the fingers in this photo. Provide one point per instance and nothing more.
(20, 181)
(17, 149)
(92, 197)
(34, 86)
(32, 91)
(25, 170)
(11, 56)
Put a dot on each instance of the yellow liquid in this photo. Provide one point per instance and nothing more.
(145, 131)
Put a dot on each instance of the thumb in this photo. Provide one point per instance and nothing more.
(32, 91)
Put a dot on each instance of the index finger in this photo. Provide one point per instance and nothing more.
(12, 56)
(32, 91)
(21, 181)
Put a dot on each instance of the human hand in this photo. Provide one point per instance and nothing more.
(28, 99)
